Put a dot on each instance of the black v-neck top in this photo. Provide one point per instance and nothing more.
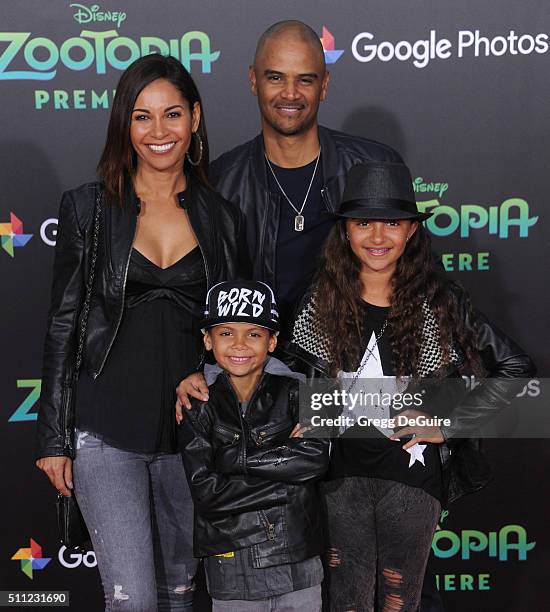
(131, 403)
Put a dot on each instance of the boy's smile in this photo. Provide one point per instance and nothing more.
(241, 350)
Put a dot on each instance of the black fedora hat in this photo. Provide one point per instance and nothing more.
(380, 190)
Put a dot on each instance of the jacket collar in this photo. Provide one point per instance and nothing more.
(272, 366)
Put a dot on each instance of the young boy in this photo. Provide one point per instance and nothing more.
(257, 511)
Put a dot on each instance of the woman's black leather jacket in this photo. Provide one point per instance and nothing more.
(218, 227)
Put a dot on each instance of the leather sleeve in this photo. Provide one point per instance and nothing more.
(296, 461)
(216, 494)
(66, 299)
(507, 367)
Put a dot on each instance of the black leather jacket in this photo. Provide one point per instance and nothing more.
(251, 483)
(465, 468)
(217, 227)
(240, 175)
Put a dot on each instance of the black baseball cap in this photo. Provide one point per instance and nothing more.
(241, 302)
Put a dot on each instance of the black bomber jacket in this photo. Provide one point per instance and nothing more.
(218, 227)
(252, 485)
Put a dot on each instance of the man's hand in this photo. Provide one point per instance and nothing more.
(421, 433)
(60, 472)
(192, 386)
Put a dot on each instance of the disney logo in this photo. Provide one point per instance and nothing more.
(92, 14)
(421, 187)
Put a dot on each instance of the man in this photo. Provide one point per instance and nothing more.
(287, 178)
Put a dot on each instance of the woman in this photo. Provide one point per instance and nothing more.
(397, 316)
(163, 237)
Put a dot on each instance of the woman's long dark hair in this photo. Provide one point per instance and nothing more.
(417, 278)
(118, 161)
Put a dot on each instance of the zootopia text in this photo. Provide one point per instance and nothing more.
(96, 50)
(446, 220)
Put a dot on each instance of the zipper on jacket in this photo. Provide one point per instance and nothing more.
(96, 374)
(326, 199)
(200, 248)
(241, 418)
(269, 527)
(67, 433)
(224, 431)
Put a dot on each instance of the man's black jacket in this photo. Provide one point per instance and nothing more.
(217, 227)
(251, 483)
(240, 175)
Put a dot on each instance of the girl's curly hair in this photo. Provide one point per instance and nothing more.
(417, 278)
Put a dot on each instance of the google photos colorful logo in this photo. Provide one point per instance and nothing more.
(31, 558)
(11, 235)
(332, 55)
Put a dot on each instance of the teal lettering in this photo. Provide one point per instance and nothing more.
(123, 41)
(464, 262)
(466, 582)
(71, 63)
(79, 98)
(449, 582)
(468, 211)
(204, 55)
(442, 535)
(152, 44)
(100, 100)
(41, 96)
(524, 222)
(16, 41)
(23, 411)
(447, 260)
(60, 99)
(442, 212)
(483, 582)
(483, 261)
(45, 64)
(99, 38)
(473, 540)
(521, 545)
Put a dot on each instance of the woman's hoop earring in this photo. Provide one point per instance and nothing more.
(198, 161)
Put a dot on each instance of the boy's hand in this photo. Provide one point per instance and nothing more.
(192, 386)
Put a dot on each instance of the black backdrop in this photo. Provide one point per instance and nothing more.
(460, 89)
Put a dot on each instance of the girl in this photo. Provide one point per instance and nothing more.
(381, 307)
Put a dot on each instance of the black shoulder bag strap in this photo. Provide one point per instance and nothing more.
(89, 288)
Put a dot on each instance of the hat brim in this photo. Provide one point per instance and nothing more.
(207, 323)
(362, 212)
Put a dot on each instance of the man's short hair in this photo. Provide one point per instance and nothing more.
(298, 28)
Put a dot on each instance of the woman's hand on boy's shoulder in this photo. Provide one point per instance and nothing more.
(193, 386)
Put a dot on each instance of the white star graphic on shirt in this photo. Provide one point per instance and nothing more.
(415, 453)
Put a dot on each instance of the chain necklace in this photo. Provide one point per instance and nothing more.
(368, 356)
(299, 218)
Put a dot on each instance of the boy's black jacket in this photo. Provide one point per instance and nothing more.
(251, 483)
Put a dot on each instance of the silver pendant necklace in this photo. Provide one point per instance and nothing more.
(369, 354)
(299, 218)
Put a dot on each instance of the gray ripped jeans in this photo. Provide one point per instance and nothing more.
(380, 533)
(139, 513)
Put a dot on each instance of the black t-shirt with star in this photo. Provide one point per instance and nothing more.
(377, 456)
